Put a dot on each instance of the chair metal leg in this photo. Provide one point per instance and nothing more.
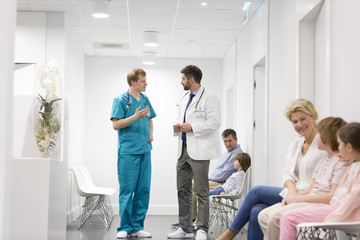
(102, 205)
(222, 212)
(105, 211)
(88, 208)
(310, 233)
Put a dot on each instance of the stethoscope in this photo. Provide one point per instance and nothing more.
(128, 105)
(199, 97)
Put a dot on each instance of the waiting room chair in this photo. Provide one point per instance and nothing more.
(223, 208)
(96, 198)
(328, 230)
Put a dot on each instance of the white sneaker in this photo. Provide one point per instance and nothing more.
(122, 234)
(179, 233)
(201, 235)
(141, 234)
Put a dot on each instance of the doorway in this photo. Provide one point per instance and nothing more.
(259, 145)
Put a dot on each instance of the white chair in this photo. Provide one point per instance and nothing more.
(96, 198)
(326, 230)
(223, 208)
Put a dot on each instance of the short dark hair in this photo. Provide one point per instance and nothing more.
(228, 132)
(192, 71)
(350, 133)
(244, 160)
(133, 75)
(328, 128)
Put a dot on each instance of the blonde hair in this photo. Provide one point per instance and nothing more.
(302, 105)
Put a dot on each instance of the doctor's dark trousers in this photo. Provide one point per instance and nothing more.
(187, 169)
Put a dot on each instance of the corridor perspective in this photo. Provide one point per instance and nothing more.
(66, 100)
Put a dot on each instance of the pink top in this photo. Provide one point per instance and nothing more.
(349, 209)
(329, 171)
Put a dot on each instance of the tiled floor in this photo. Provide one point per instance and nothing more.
(159, 226)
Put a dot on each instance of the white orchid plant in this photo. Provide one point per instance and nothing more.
(47, 123)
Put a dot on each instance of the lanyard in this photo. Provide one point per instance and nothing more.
(199, 98)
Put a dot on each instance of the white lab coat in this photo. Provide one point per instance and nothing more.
(202, 143)
(307, 163)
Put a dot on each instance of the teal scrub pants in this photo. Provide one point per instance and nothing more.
(134, 175)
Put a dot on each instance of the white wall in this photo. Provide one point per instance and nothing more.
(74, 94)
(344, 63)
(8, 12)
(282, 83)
(229, 82)
(74, 115)
(30, 31)
(51, 36)
(251, 48)
(105, 79)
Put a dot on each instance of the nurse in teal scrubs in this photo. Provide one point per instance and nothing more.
(132, 116)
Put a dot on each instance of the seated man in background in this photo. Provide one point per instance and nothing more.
(225, 166)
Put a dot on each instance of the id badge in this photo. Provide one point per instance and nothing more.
(200, 114)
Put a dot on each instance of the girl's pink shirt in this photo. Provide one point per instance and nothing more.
(349, 210)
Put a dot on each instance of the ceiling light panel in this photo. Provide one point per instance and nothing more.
(100, 8)
(151, 38)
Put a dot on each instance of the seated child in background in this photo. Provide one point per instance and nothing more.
(234, 183)
(326, 177)
(345, 204)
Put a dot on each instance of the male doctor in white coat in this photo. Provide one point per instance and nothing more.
(197, 129)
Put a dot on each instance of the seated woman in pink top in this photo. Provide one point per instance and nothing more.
(345, 204)
(326, 177)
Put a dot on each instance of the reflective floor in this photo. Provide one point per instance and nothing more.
(159, 226)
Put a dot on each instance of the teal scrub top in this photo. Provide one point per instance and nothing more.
(133, 138)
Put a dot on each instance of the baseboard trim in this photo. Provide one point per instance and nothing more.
(163, 210)
(168, 210)
(72, 215)
(155, 209)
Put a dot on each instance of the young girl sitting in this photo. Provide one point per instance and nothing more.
(234, 183)
(345, 204)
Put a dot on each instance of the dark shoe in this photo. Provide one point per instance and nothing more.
(175, 225)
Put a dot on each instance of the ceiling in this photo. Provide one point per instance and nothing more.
(186, 28)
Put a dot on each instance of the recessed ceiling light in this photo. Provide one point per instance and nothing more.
(203, 3)
(101, 8)
(151, 38)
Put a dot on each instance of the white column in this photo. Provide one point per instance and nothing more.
(7, 29)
